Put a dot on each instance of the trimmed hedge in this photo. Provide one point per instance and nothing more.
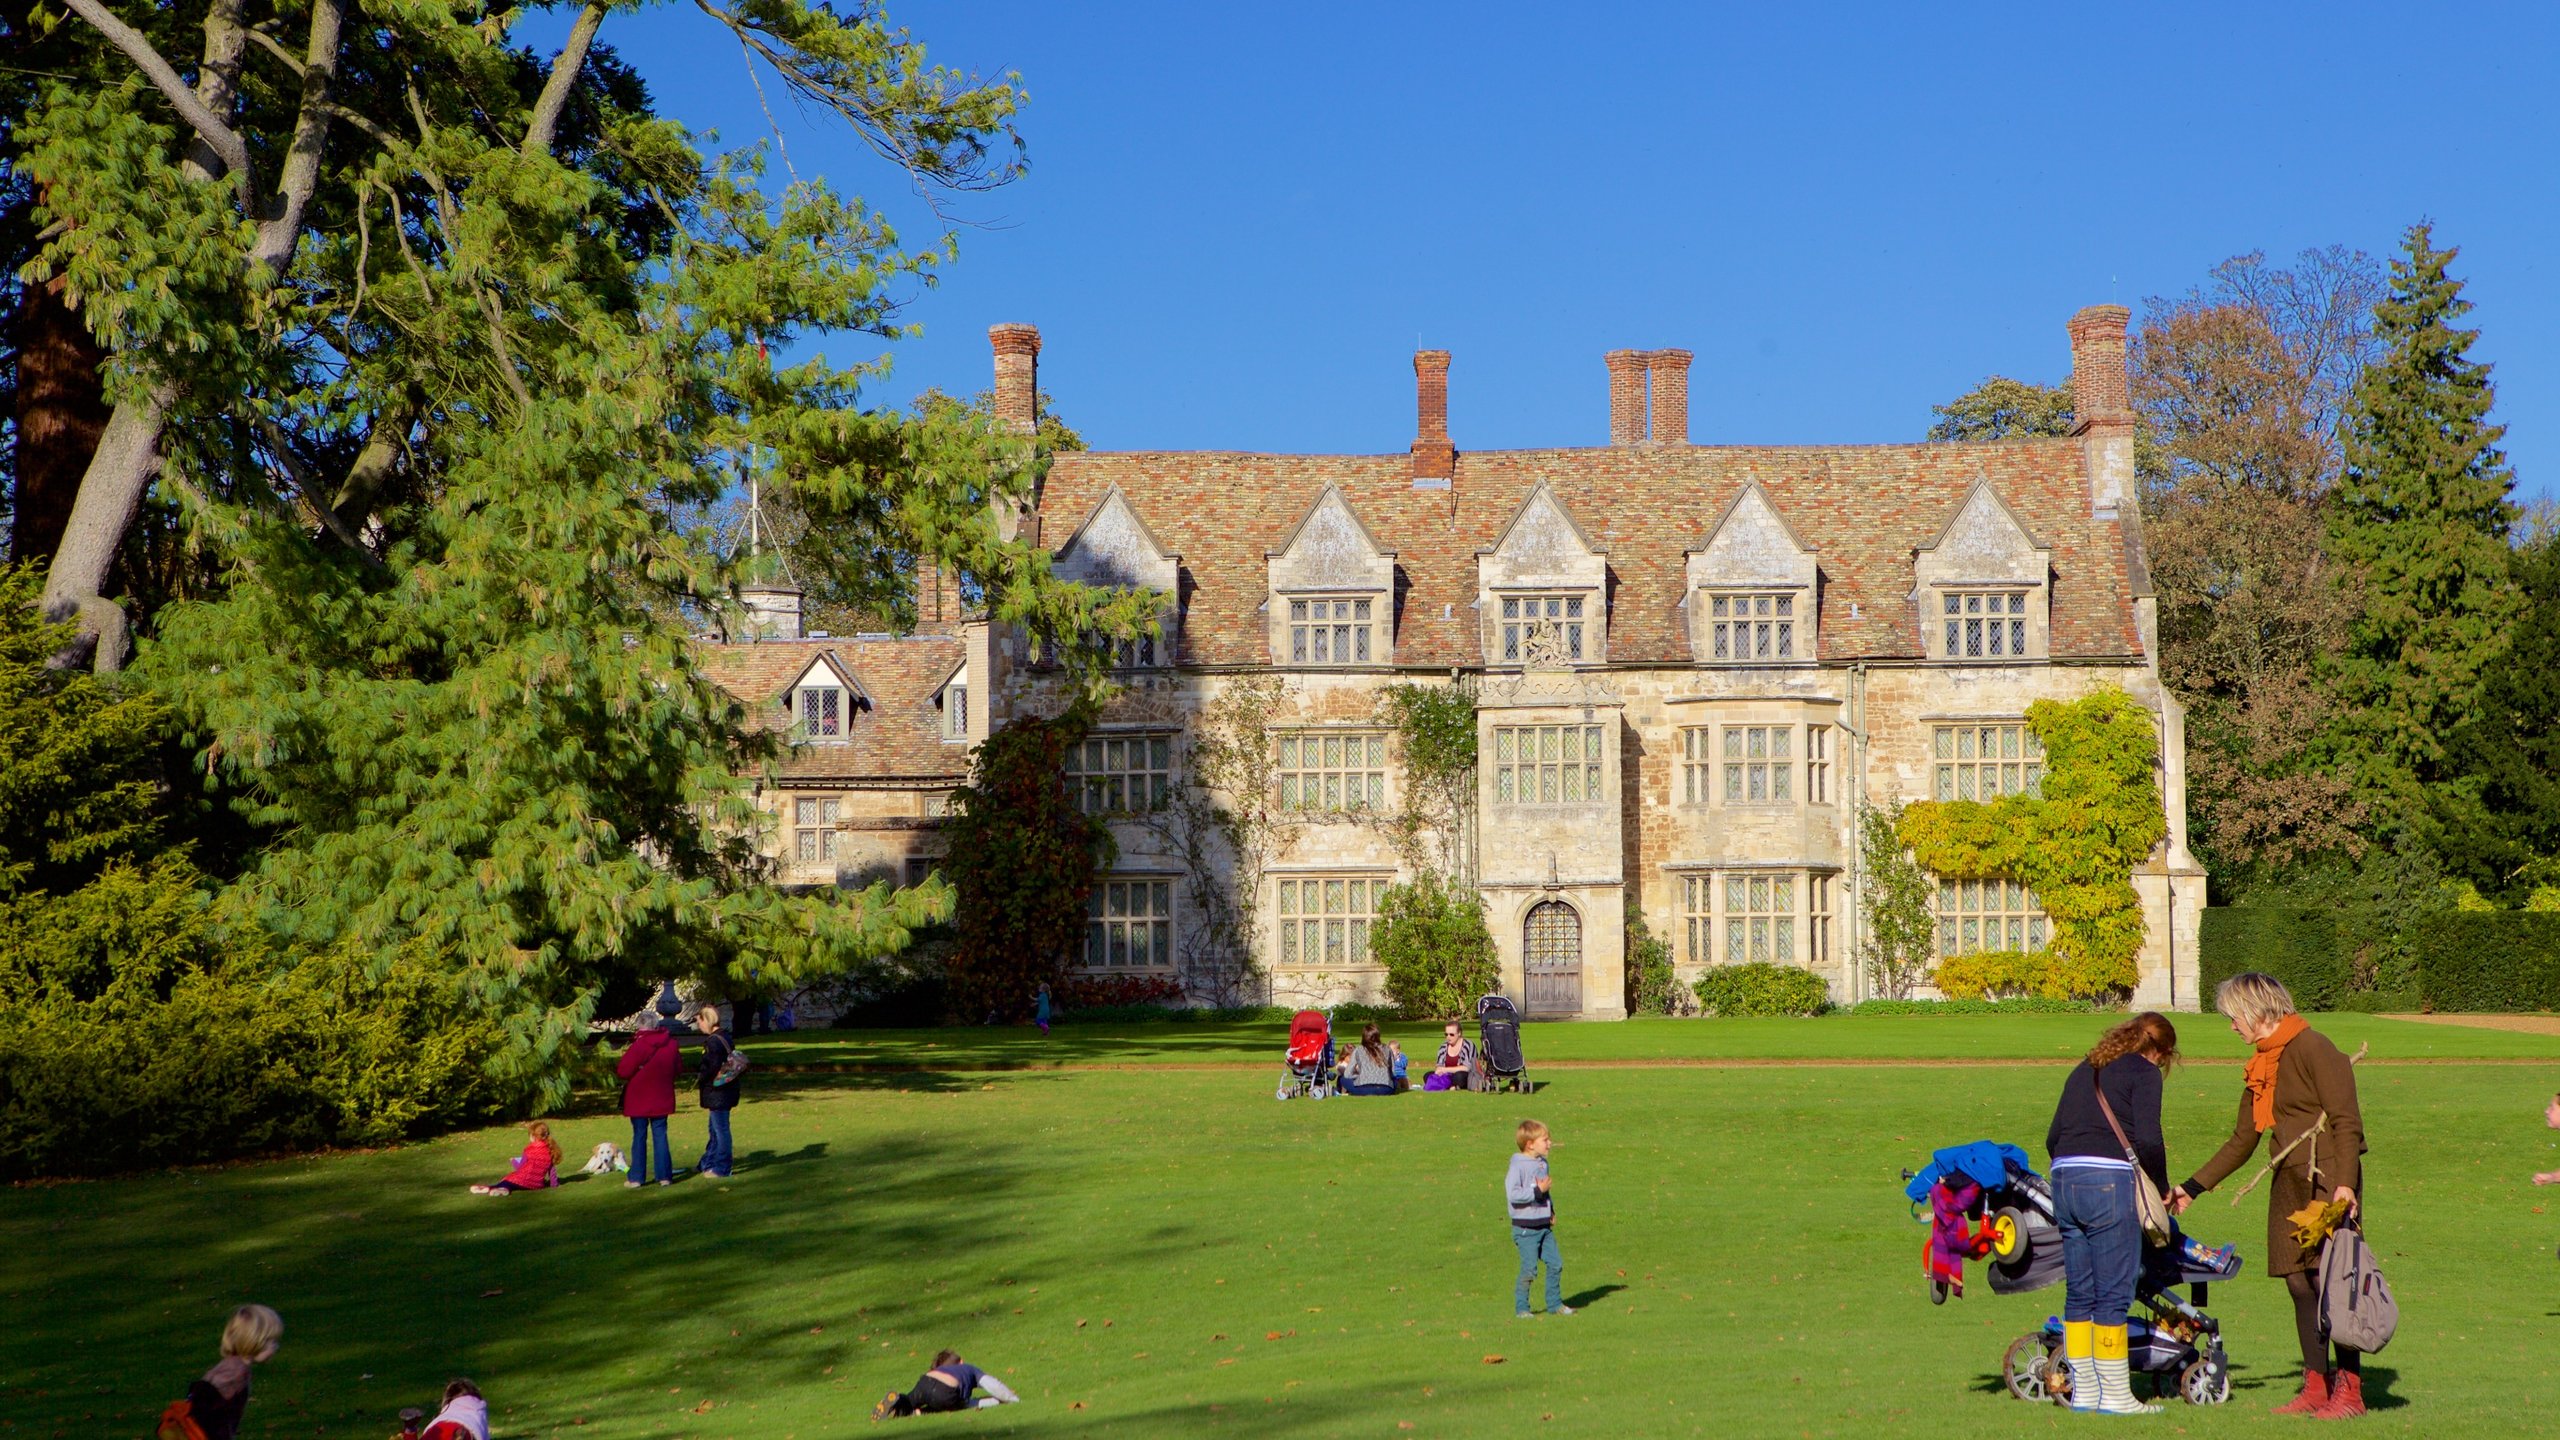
(1729, 991)
(2022, 1005)
(2299, 947)
(2492, 960)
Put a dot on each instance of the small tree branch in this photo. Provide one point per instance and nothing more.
(224, 142)
(544, 127)
(280, 231)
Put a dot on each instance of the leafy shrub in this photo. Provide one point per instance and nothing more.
(1023, 860)
(1651, 987)
(2299, 946)
(144, 1033)
(1733, 991)
(1431, 936)
(2505, 961)
(2023, 1005)
(1998, 975)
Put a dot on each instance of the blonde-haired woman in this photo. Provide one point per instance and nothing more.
(218, 1399)
(2295, 1077)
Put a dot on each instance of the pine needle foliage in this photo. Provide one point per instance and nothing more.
(2420, 519)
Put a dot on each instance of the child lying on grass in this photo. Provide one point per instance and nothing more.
(537, 1168)
(945, 1387)
(465, 1415)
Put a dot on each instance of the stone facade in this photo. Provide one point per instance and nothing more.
(1693, 664)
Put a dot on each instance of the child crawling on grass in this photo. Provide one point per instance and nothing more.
(945, 1387)
(465, 1415)
(537, 1168)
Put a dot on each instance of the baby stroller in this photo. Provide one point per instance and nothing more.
(1307, 1070)
(1989, 1204)
(1498, 1046)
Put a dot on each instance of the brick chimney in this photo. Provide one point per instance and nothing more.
(1435, 460)
(1017, 350)
(939, 610)
(1626, 396)
(1670, 372)
(2100, 396)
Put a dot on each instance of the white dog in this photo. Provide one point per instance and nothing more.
(607, 1160)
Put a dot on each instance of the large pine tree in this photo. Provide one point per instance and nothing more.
(2419, 523)
(2499, 823)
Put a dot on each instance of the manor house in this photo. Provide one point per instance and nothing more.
(1693, 665)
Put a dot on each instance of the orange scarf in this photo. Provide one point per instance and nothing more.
(2260, 1077)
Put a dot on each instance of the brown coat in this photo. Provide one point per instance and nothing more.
(2312, 1077)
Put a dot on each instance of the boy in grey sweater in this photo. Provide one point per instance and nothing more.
(1533, 1221)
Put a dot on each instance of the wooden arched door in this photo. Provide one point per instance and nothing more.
(1551, 951)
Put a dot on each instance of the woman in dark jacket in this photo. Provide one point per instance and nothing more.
(648, 1071)
(2294, 1079)
(717, 1099)
(2093, 1201)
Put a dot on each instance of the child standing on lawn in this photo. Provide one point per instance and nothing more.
(1533, 1220)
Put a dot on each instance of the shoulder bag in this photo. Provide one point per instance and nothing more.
(2356, 1307)
(2148, 1207)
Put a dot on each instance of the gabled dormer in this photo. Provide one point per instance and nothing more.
(1753, 593)
(823, 700)
(1543, 579)
(1982, 587)
(951, 701)
(1332, 590)
(1114, 549)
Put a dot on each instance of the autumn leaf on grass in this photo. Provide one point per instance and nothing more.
(1270, 1334)
(702, 1409)
(493, 1294)
(1493, 1359)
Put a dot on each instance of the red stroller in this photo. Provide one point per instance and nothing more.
(1307, 1072)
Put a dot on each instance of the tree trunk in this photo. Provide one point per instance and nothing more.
(128, 455)
(62, 409)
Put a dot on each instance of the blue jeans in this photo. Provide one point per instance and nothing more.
(715, 1150)
(2101, 1242)
(644, 1130)
(1538, 1242)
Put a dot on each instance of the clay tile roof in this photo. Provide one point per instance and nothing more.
(1864, 509)
(896, 732)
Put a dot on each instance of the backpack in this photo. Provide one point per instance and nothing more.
(2356, 1308)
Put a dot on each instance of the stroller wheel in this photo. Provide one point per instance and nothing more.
(2030, 1372)
(2205, 1383)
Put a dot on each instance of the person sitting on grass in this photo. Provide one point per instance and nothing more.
(537, 1167)
(1456, 1066)
(465, 1415)
(1371, 1067)
(946, 1386)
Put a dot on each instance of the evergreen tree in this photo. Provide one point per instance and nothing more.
(2498, 826)
(2419, 521)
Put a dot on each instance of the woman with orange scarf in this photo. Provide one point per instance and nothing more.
(2294, 1079)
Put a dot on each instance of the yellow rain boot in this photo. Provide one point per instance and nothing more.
(2115, 1375)
(2080, 1359)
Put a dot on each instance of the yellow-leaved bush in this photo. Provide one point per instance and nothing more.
(2075, 843)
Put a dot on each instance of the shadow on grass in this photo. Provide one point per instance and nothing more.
(1592, 1296)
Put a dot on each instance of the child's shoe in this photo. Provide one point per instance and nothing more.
(1561, 1310)
(887, 1403)
(1519, 1314)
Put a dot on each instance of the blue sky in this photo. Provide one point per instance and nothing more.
(1241, 221)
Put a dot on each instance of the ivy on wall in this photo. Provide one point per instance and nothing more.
(2074, 844)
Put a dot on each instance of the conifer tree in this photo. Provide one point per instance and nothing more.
(2498, 824)
(2419, 522)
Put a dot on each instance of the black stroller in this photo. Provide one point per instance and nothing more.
(1498, 1046)
(2176, 1343)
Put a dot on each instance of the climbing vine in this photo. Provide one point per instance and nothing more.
(1023, 861)
(2074, 843)
(1224, 800)
(1436, 729)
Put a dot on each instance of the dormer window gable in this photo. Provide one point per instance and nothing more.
(1754, 588)
(953, 700)
(1983, 588)
(822, 702)
(1332, 590)
(1542, 587)
(1114, 549)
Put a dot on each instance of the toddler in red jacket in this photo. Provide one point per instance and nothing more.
(537, 1168)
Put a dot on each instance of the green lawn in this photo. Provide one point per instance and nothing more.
(1177, 1254)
